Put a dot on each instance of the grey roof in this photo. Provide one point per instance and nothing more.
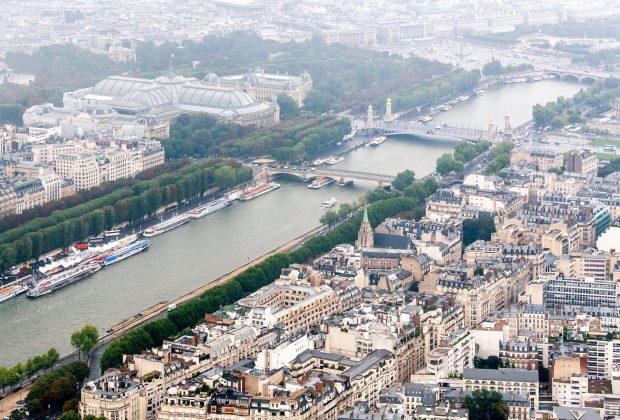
(502, 374)
(575, 413)
(371, 360)
(386, 240)
(214, 97)
(120, 85)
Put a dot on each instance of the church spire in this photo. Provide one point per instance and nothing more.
(365, 236)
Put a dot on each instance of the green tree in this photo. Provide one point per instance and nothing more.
(69, 415)
(403, 179)
(85, 339)
(479, 228)
(288, 107)
(492, 362)
(446, 164)
(486, 405)
(329, 218)
(317, 101)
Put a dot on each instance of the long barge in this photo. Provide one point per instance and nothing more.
(166, 225)
(126, 252)
(58, 281)
(258, 190)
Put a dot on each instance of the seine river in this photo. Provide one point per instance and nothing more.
(185, 258)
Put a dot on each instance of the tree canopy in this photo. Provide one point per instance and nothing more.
(486, 405)
(479, 228)
(85, 339)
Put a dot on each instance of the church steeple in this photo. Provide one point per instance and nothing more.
(365, 236)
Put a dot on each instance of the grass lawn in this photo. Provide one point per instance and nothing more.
(607, 156)
(603, 142)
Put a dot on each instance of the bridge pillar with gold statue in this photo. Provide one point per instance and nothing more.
(370, 115)
(507, 126)
(388, 110)
(491, 129)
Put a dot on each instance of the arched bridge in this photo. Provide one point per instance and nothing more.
(575, 75)
(337, 174)
(443, 131)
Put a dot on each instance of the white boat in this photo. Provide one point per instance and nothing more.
(479, 92)
(462, 98)
(126, 252)
(258, 190)
(377, 141)
(444, 107)
(209, 208)
(63, 279)
(9, 292)
(334, 160)
(425, 118)
(319, 161)
(112, 233)
(166, 225)
(329, 203)
(320, 182)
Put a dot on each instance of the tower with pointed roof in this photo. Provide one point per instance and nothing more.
(365, 236)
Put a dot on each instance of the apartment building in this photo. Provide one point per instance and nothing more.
(518, 381)
(478, 295)
(569, 296)
(519, 354)
(294, 307)
(113, 397)
(455, 352)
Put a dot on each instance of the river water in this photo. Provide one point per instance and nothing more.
(187, 257)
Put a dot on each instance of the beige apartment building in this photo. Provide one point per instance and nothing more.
(113, 397)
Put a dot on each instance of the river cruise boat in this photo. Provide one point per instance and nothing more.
(329, 203)
(209, 208)
(126, 252)
(425, 118)
(112, 233)
(444, 107)
(258, 190)
(320, 182)
(319, 161)
(334, 160)
(377, 141)
(9, 292)
(166, 225)
(58, 281)
(462, 98)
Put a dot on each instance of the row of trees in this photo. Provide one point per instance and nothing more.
(9, 377)
(463, 153)
(495, 68)
(383, 204)
(200, 135)
(500, 157)
(451, 84)
(83, 196)
(130, 204)
(55, 388)
(301, 138)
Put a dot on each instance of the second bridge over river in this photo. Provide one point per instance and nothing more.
(338, 174)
